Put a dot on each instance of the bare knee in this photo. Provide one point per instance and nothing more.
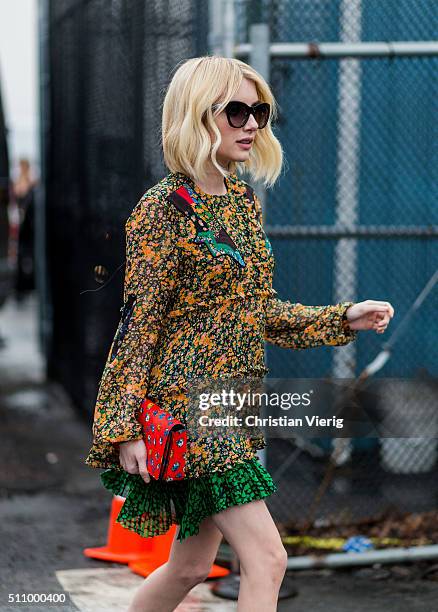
(275, 562)
(280, 561)
(189, 574)
(269, 564)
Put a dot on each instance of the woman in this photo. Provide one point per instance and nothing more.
(199, 302)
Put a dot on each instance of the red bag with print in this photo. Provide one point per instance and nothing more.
(166, 442)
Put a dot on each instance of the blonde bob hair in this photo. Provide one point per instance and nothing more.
(196, 85)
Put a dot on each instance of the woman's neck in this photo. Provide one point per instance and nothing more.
(214, 182)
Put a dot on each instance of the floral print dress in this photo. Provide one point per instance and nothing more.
(198, 303)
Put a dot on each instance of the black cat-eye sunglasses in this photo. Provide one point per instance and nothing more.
(238, 113)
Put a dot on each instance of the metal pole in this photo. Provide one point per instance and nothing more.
(344, 49)
(389, 555)
(45, 314)
(259, 60)
(228, 35)
(347, 199)
(215, 46)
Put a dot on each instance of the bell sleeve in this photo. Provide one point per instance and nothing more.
(151, 274)
(296, 326)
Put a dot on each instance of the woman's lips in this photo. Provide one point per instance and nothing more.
(245, 145)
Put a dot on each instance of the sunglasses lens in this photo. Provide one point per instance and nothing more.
(237, 113)
(262, 114)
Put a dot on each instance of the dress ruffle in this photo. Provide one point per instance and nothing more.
(151, 508)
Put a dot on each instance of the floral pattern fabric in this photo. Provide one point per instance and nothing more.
(198, 302)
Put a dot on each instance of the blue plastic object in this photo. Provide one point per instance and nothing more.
(357, 544)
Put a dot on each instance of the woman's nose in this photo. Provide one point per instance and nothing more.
(252, 123)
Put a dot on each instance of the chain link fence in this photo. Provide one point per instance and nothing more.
(354, 217)
(105, 67)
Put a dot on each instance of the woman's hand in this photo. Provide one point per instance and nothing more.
(370, 314)
(132, 456)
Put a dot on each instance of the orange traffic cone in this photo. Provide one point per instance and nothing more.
(123, 545)
(159, 554)
(143, 555)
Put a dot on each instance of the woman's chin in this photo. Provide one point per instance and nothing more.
(241, 156)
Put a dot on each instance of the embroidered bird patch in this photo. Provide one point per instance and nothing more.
(217, 243)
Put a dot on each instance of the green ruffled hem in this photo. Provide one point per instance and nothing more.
(151, 508)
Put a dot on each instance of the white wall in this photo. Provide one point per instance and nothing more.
(18, 77)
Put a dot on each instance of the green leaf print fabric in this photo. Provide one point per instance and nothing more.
(151, 509)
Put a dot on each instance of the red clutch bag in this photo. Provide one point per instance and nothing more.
(166, 442)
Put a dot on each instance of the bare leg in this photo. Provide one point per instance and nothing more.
(254, 537)
(189, 564)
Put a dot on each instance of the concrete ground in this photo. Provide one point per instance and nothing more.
(52, 506)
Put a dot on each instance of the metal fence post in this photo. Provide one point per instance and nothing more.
(259, 60)
(42, 280)
(347, 203)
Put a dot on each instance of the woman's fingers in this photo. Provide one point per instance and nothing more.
(138, 467)
(132, 457)
(384, 320)
(141, 460)
(381, 325)
(380, 306)
(144, 473)
(380, 314)
(132, 468)
(372, 314)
